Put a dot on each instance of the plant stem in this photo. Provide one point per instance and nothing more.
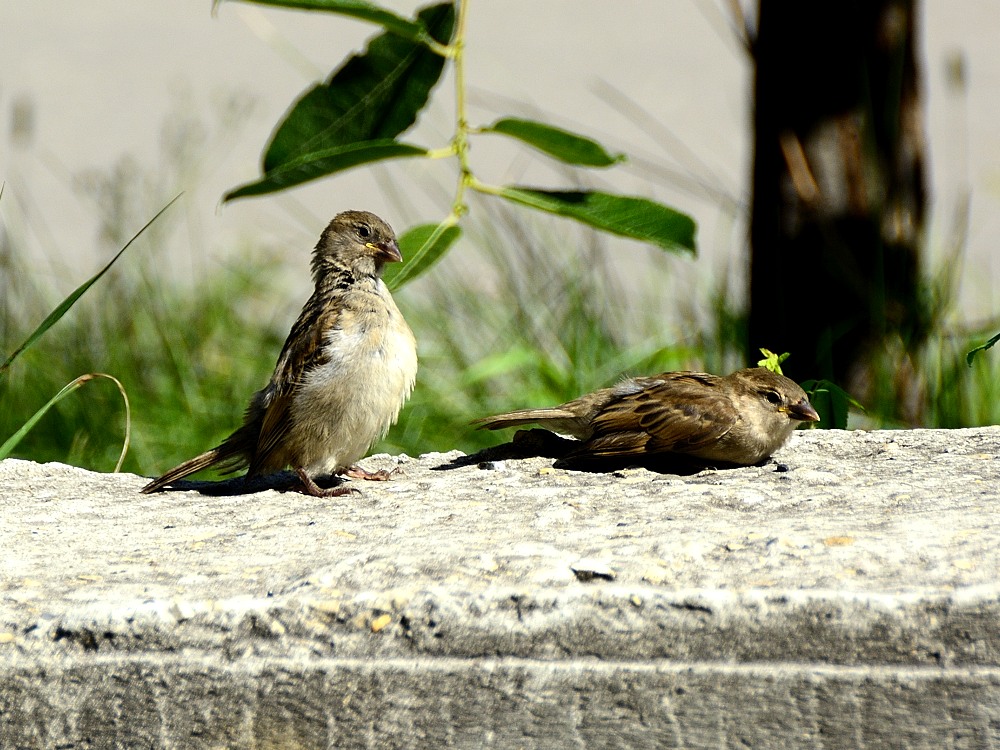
(460, 143)
(483, 187)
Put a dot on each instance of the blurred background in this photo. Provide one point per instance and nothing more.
(108, 109)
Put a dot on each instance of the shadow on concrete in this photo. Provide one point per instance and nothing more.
(542, 443)
(282, 481)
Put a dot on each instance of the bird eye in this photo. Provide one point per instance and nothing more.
(364, 232)
(773, 397)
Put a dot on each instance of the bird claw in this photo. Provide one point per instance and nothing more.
(382, 475)
(309, 487)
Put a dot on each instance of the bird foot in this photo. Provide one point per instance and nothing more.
(382, 475)
(309, 487)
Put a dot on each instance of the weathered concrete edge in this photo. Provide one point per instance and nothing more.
(930, 628)
(176, 701)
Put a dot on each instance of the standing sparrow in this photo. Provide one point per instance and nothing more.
(346, 369)
(737, 419)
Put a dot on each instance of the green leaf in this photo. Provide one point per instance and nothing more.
(374, 96)
(981, 348)
(67, 303)
(359, 9)
(832, 403)
(13, 440)
(421, 246)
(321, 163)
(772, 361)
(560, 144)
(637, 218)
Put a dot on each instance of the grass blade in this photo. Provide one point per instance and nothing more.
(67, 303)
(16, 438)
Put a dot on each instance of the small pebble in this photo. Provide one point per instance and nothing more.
(588, 570)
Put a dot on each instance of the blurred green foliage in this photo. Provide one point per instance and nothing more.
(531, 314)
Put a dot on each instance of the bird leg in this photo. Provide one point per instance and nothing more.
(356, 472)
(309, 486)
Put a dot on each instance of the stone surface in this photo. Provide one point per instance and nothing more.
(844, 595)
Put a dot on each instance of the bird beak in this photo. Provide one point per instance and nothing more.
(802, 411)
(387, 252)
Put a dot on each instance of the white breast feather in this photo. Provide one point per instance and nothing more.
(351, 401)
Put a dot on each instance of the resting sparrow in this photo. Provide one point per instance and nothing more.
(347, 367)
(738, 419)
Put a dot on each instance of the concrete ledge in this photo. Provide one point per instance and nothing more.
(180, 701)
(845, 596)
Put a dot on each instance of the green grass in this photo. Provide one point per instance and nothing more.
(519, 314)
(188, 358)
(536, 320)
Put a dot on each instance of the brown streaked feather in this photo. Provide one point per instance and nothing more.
(304, 346)
(303, 350)
(572, 418)
(203, 461)
(274, 425)
(612, 444)
(525, 416)
(738, 419)
(672, 412)
(227, 458)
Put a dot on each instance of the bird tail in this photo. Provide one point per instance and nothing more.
(206, 459)
(522, 416)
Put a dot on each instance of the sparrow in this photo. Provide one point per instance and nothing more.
(738, 419)
(345, 371)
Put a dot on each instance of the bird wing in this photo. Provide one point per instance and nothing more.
(572, 418)
(557, 418)
(668, 413)
(303, 350)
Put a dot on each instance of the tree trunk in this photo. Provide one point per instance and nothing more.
(838, 186)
